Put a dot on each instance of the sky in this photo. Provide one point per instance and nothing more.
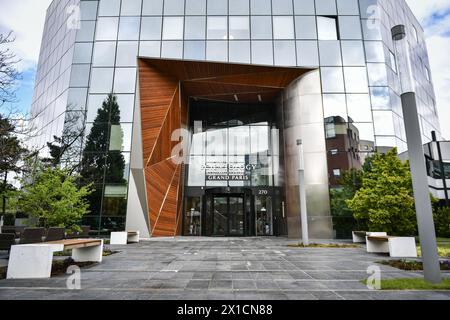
(26, 18)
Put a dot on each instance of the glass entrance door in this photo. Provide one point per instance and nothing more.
(228, 215)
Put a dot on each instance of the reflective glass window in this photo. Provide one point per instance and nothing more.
(330, 53)
(104, 54)
(194, 50)
(384, 123)
(125, 80)
(239, 140)
(356, 80)
(334, 105)
(109, 8)
(377, 74)
(239, 28)
(259, 7)
(195, 7)
(285, 54)
(174, 7)
(374, 51)
(358, 107)
(261, 27)
(131, 8)
(217, 7)
(77, 98)
(127, 52)
(283, 28)
(88, 10)
(95, 102)
(152, 7)
(150, 49)
(353, 53)
(151, 28)
(326, 7)
(282, 7)
(393, 61)
(239, 7)
(371, 29)
(101, 80)
(129, 28)
(350, 27)
(307, 53)
(239, 51)
(348, 7)
(365, 131)
(173, 28)
(118, 176)
(217, 141)
(79, 76)
(86, 31)
(304, 7)
(262, 52)
(195, 28)
(327, 28)
(305, 27)
(217, 28)
(107, 28)
(217, 50)
(126, 106)
(172, 49)
(380, 98)
(120, 137)
(82, 53)
(332, 79)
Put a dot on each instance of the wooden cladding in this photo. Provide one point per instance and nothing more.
(165, 89)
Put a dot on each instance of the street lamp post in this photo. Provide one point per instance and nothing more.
(424, 211)
(301, 186)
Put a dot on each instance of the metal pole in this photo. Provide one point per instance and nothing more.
(301, 186)
(424, 212)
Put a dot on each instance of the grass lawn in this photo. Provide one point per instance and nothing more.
(443, 248)
(412, 284)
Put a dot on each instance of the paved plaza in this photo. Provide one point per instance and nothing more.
(222, 268)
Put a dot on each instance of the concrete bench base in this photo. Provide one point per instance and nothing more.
(397, 247)
(360, 236)
(125, 237)
(34, 261)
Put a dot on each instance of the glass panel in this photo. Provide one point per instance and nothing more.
(101, 80)
(196, 169)
(239, 140)
(107, 28)
(326, 7)
(173, 28)
(359, 109)
(285, 53)
(330, 53)
(259, 7)
(327, 28)
(374, 51)
(129, 28)
(194, 50)
(174, 7)
(217, 28)
(94, 104)
(282, 7)
(150, 49)
(77, 99)
(283, 28)
(82, 53)
(353, 53)
(334, 105)
(195, 7)
(262, 52)
(260, 139)
(152, 7)
(114, 204)
(377, 74)
(217, 50)
(220, 216)
(192, 219)
(127, 54)
(216, 141)
(104, 54)
(307, 53)
(239, 7)
(348, 7)
(86, 32)
(356, 80)
(195, 28)
(109, 8)
(125, 80)
(384, 123)
(239, 28)
(131, 8)
(264, 221)
(380, 98)
(120, 137)
(236, 216)
(261, 27)
(172, 49)
(371, 29)
(305, 27)
(305, 7)
(350, 27)
(118, 170)
(151, 28)
(332, 79)
(217, 7)
(126, 106)
(239, 51)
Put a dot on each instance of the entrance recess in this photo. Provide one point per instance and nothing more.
(228, 215)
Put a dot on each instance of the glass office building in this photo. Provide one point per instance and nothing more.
(245, 79)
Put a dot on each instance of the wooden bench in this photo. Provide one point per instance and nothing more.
(124, 237)
(397, 247)
(34, 261)
(360, 236)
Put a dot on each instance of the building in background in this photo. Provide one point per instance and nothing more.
(276, 71)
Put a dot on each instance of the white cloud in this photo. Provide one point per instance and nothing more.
(26, 18)
(435, 18)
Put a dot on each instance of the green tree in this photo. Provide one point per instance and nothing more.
(442, 221)
(55, 199)
(385, 201)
